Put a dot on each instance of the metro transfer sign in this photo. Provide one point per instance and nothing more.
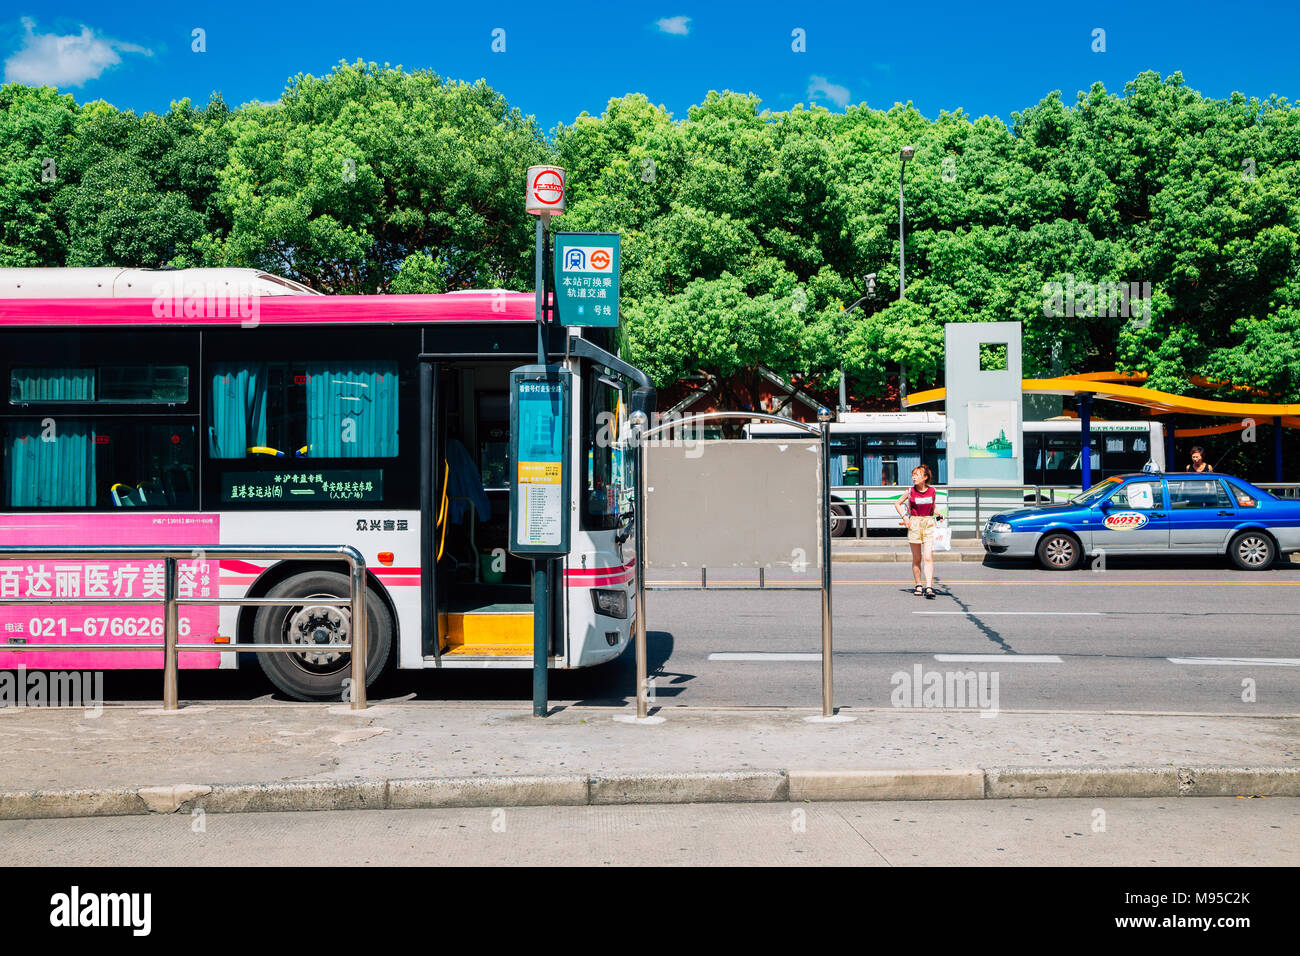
(586, 278)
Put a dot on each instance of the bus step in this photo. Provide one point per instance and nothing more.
(489, 632)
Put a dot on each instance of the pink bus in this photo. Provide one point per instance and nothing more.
(234, 407)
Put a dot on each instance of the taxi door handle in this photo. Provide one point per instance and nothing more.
(1157, 514)
(1225, 514)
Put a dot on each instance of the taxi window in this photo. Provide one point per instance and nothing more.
(1197, 493)
(1138, 496)
(1243, 497)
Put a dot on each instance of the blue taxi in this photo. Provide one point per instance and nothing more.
(1180, 513)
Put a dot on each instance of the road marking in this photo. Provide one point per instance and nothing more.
(1000, 658)
(765, 657)
(1022, 613)
(1238, 661)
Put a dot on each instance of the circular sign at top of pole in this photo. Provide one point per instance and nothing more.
(545, 190)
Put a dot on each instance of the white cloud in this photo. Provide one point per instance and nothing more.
(47, 59)
(819, 87)
(678, 26)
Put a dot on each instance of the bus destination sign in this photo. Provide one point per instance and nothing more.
(303, 487)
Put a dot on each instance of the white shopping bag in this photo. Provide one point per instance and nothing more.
(943, 538)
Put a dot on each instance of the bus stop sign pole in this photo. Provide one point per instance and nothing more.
(544, 197)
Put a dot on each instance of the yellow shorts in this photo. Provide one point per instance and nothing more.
(920, 529)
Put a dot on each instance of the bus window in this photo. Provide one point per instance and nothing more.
(889, 459)
(83, 464)
(493, 428)
(331, 409)
(1123, 452)
(845, 464)
(126, 384)
(934, 452)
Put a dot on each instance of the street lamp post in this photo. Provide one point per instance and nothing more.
(905, 154)
(871, 294)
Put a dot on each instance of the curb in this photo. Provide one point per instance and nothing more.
(736, 786)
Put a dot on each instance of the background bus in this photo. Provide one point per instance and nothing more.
(233, 407)
(877, 451)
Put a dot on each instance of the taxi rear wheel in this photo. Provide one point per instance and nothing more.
(1059, 551)
(1253, 551)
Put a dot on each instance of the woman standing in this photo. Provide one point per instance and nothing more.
(917, 508)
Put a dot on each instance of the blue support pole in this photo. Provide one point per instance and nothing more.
(1277, 448)
(1085, 436)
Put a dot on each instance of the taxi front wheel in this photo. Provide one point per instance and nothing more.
(1253, 551)
(1059, 551)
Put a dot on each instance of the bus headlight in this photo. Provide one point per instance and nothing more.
(610, 603)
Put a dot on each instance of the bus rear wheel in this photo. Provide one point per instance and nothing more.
(319, 673)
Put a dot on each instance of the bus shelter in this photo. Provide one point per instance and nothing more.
(1126, 387)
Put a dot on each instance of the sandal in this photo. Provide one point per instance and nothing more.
(917, 590)
(929, 594)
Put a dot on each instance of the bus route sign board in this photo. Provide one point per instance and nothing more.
(303, 487)
(541, 416)
(586, 278)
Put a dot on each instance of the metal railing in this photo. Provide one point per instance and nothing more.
(854, 497)
(1281, 489)
(171, 648)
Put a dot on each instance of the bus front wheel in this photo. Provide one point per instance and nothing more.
(319, 673)
(841, 520)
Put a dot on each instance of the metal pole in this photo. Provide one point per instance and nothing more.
(828, 704)
(1277, 448)
(540, 285)
(359, 637)
(1085, 439)
(171, 624)
(541, 637)
(638, 520)
(902, 366)
(541, 604)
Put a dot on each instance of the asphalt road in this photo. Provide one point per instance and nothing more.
(1128, 832)
(1159, 636)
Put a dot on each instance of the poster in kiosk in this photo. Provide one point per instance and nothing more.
(541, 403)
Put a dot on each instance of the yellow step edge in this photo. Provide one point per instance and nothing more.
(488, 650)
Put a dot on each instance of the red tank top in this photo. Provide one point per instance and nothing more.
(921, 503)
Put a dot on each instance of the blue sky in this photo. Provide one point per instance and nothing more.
(563, 58)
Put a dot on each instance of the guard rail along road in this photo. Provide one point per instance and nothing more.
(356, 602)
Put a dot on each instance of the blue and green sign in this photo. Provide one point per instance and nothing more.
(586, 278)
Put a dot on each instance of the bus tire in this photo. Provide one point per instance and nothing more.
(1253, 551)
(1060, 551)
(322, 676)
(841, 520)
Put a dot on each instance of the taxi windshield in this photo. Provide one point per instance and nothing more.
(1096, 492)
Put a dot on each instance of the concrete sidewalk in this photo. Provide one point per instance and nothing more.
(283, 756)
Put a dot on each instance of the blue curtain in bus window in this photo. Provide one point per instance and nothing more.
(872, 469)
(51, 467)
(238, 409)
(52, 385)
(351, 410)
(906, 462)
